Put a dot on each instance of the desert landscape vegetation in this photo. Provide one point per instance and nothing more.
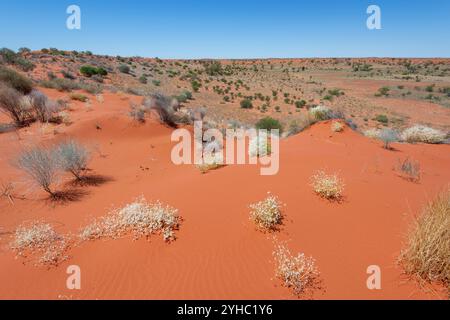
(87, 178)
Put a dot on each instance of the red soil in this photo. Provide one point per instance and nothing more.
(219, 253)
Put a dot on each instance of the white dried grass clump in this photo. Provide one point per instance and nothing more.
(139, 218)
(320, 113)
(297, 272)
(259, 147)
(372, 133)
(423, 134)
(327, 186)
(267, 213)
(40, 238)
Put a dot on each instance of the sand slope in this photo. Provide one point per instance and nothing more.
(218, 253)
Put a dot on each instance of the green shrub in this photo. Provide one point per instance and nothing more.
(382, 118)
(269, 123)
(300, 104)
(90, 71)
(246, 104)
(143, 79)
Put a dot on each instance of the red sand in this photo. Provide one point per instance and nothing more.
(218, 253)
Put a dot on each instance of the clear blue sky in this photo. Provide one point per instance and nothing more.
(232, 28)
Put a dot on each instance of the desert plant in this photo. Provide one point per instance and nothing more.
(40, 164)
(40, 238)
(299, 273)
(426, 255)
(164, 106)
(382, 118)
(327, 186)
(73, 157)
(337, 126)
(140, 218)
(15, 80)
(269, 123)
(43, 108)
(78, 97)
(90, 71)
(13, 104)
(409, 169)
(423, 134)
(137, 113)
(372, 133)
(387, 136)
(124, 68)
(320, 113)
(246, 104)
(267, 213)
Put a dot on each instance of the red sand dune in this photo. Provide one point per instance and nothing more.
(218, 253)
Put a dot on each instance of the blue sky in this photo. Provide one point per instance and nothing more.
(231, 29)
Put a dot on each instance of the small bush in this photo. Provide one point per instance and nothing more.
(409, 169)
(16, 80)
(73, 157)
(40, 164)
(423, 134)
(327, 186)
(137, 113)
(337, 126)
(269, 123)
(382, 118)
(43, 108)
(14, 105)
(79, 97)
(298, 273)
(267, 213)
(372, 133)
(140, 218)
(320, 113)
(388, 136)
(427, 251)
(89, 71)
(40, 238)
(124, 68)
(163, 106)
(143, 79)
(246, 104)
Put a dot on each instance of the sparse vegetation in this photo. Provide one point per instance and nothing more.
(15, 80)
(337, 126)
(73, 157)
(387, 136)
(299, 273)
(140, 218)
(409, 169)
(269, 123)
(328, 186)
(423, 134)
(267, 213)
(41, 165)
(40, 239)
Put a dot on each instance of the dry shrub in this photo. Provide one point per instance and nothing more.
(426, 256)
(320, 113)
(164, 106)
(372, 133)
(327, 186)
(42, 240)
(41, 165)
(299, 273)
(44, 109)
(409, 169)
(337, 126)
(140, 218)
(13, 104)
(423, 134)
(267, 213)
(6, 190)
(71, 156)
